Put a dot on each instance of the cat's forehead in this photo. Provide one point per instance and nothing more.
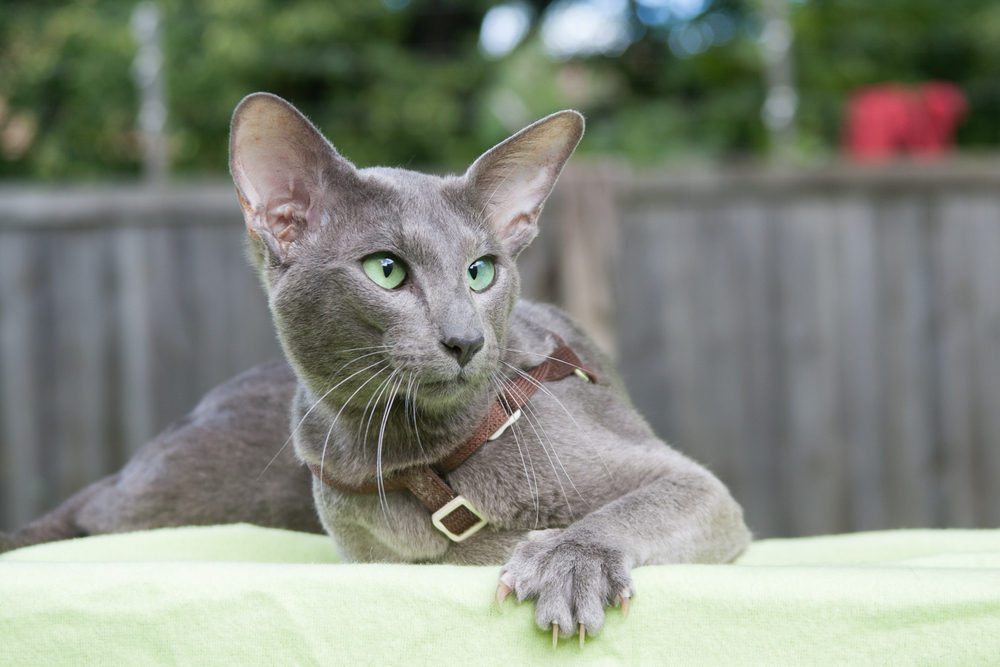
(415, 209)
(411, 189)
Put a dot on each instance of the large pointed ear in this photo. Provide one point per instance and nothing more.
(281, 165)
(510, 182)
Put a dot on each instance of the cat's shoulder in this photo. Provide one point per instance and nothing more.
(534, 323)
(272, 382)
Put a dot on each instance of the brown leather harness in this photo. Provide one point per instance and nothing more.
(451, 513)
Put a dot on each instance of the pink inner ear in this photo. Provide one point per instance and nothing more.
(287, 197)
(284, 170)
(516, 203)
(520, 230)
(285, 221)
(249, 197)
(280, 200)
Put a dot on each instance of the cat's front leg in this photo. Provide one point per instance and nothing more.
(573, 574)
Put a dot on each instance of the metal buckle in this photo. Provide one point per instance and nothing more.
(451, 506)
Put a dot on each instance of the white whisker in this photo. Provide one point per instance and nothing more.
(376, 397)
(372, 403)
(410, 405)
(583, 432)
(322, 458)
(383, 501)
(536, 354)
(416, 431)
(526, 411)
(528, 478)
(313, 406)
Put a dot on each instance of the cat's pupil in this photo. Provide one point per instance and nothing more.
(387, 267)
(473, 270)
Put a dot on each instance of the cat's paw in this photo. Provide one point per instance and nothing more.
(571, 581)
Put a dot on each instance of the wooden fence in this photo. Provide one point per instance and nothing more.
(119, 307)
(827, 342)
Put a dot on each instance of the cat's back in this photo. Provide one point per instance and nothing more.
(249, 398)
(248, 412)
(226, 461)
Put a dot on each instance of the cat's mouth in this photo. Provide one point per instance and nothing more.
(462, 386)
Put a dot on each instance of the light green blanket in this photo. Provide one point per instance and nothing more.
(240, 595)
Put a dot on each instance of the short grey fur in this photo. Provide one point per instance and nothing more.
(576, 493)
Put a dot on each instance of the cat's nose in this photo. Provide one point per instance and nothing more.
(464, 347)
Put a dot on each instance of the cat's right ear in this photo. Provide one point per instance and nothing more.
(510, 182)
(282, 166)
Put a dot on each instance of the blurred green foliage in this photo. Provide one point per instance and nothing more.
(410, 87)
(382, 84)
(843, 44)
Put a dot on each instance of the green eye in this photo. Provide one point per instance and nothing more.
(481, 274)
(385, 270)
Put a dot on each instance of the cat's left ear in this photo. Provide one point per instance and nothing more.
(511, 181)
(281, 165)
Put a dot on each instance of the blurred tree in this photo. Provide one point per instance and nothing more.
(68, 105)
(405, 82)
(390, 87)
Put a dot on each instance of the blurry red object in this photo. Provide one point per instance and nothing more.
(889, 120)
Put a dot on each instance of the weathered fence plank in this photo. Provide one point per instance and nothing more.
(953, 262)
(909, 432)
(752, 256)
(135, 325)
(985, 223)
(23, 377)
(588, 246)
(815, 470)
(82, 359)
(858, 332)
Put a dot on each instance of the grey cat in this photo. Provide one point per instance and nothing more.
(395, 297)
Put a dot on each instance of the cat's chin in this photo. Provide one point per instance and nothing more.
(446, 394)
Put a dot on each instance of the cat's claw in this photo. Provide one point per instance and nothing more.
(583, 634)
(503, 590)
(624, 598)
(555, 635)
